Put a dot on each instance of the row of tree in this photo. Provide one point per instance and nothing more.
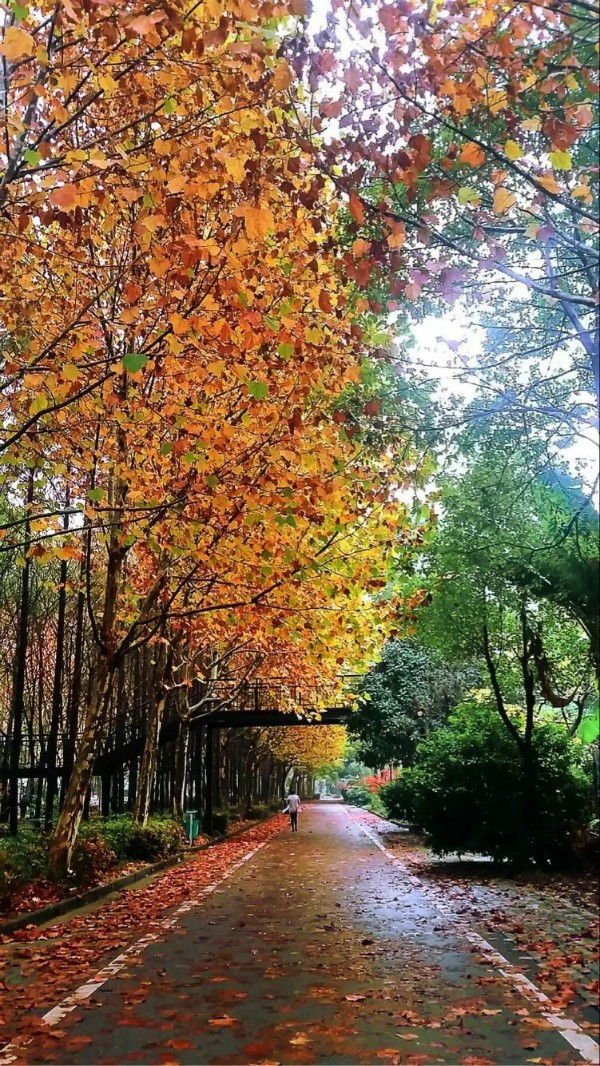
(181, 501)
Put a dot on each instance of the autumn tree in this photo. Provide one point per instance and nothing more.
(306, 750)
(465, 137)
(185, 345)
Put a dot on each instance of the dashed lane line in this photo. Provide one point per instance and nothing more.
(568, 1029)
(10, 1052)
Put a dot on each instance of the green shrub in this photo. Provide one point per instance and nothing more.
(158, 839)
(376, 805)
(398, 797)
(22, 858)
(357, 795)
(469, 790)
(117, 834)
(220, 822)
(257, 810)
(91, 858)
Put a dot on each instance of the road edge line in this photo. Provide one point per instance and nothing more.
(88, 988)
(566, 1027)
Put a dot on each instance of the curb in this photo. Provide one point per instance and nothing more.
(83, 899)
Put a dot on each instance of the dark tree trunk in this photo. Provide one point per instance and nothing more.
(19, 686)
(55, 719)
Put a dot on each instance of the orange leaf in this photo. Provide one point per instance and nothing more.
(397, 235)
(472, 154)
(65, 196)
(257, 221)
(357, 209)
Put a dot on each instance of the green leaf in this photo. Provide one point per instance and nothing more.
(468, 196)
(560, 160)
(166, 448)
(169, 105)
(134, 361)
(32, 157)
(95, 495)
(285, 351)
(258, 389)
(212, 481)
(19, 11)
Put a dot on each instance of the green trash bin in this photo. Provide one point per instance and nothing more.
(191, 824)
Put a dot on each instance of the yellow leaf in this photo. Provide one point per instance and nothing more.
(560, 160)
(503, 200)
(513, 150)
(533, 229)
(70, 372)
(179, 323)
(236, 168)
(313, 335)
(497, 100)
(17, 44)
(108, 85)
(468, 196)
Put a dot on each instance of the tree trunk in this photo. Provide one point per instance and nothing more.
(180, 769)
(147, 774)
(19, 686)
(67, 825)
(75, 693)
(55, 719)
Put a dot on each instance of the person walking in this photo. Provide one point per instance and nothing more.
(293, 808)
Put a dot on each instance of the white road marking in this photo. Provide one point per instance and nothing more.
(9, 1053)
(568, 1029)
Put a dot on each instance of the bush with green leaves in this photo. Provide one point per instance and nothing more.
(398, 797)
(117, 834)
(472, 791)
(357, 795)
(158, 839)
(22, 859)
(257, 810)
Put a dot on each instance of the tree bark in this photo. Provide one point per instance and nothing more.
(59, 661)
(19, 686)
(147, 774)
(67, 825)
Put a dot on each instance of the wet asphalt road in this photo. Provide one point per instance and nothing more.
(317, 950)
